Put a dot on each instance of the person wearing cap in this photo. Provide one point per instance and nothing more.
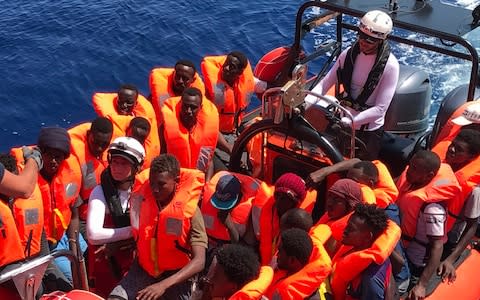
(108, 217)
(342, 197)
(59, 183)
(368, 74)
(226, 205)
(269, 206)
(466, 116)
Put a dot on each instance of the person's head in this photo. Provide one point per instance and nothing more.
(125, 158)
(364, 226)
(294, 250)
(464, 148)
(233, 67)
(164, 176)
(99, 136)
(54, 143)
(471, 115)
(183, 76)
(290, 190)
(296, 218)
(227, 192)
(139, 129)
(236, 265)
(422, 168)
(126, 99)
(364, 172)
(342, 197)
(374, 28)
(191, 103)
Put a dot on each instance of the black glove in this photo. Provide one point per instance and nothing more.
(33, 153)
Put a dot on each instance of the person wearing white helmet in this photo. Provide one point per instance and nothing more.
(365, 76)
(108, 218)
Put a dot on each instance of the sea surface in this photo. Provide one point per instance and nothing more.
(55, 54)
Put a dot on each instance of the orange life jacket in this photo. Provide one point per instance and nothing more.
(194, 149)
(468, 176)
(266, 223)
(230, 101)
(349, 265)
(161, 83)
(29, 217)
(11, 249)
(56, 198)
(386, 191)
(163, 236)
(368, 195)
(90, 167)
(306, 281)
(443, 187)
(105, 104)
(255, 289)
(152, 142)
(239, 214)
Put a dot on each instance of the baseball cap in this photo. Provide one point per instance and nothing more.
(226, 193)
(470, 115)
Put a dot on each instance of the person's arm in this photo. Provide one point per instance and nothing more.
(435, 218)
(383, 95)
(198, 241)
(419, 291)
(96, 232)
(22, 185)
(73, 229)
(471, 214)
(223, 145)
(320, 174)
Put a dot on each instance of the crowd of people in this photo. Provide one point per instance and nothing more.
(139, 193)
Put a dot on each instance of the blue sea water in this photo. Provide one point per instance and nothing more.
(55, 54)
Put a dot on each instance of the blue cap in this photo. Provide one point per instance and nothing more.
(226, 193)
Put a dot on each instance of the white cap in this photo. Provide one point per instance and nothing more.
(470, 115)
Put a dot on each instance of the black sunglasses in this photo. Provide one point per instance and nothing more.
(367, 38)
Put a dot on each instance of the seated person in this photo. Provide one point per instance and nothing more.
(342, 197)
(235, 274)
(361, 268)
(463, 155)
(270, 204)
(169, 232)
(426, 188)
(108, 218)
(294, 280)
(226, 205)
(190, 130)
(171, 82)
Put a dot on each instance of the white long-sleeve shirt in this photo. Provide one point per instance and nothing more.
(97, 209)
(380, 98)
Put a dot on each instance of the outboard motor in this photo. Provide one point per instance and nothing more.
(410, 107)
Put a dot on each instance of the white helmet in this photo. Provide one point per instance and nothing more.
(128, 148)
(377, 24)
